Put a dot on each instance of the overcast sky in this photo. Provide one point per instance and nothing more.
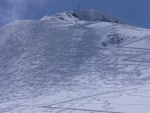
(136, 12)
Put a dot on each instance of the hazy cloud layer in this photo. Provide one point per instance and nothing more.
(17, 9)
(135, 12)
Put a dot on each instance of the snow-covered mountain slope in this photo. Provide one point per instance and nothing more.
(74, 65)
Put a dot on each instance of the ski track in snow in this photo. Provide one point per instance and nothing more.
(118, 81)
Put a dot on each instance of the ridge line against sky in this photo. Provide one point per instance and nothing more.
(135, 12)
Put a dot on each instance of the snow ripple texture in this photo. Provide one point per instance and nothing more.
(75, 67)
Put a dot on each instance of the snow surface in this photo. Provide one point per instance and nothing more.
(72, 65)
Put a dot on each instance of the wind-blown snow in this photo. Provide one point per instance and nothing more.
(64, 63)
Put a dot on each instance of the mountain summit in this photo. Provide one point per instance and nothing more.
(90, 15)
(78, 61)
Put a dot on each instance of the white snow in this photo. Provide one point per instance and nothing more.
(74, 65)
(5, 33)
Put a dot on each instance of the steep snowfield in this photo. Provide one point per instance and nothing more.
(72, 63)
